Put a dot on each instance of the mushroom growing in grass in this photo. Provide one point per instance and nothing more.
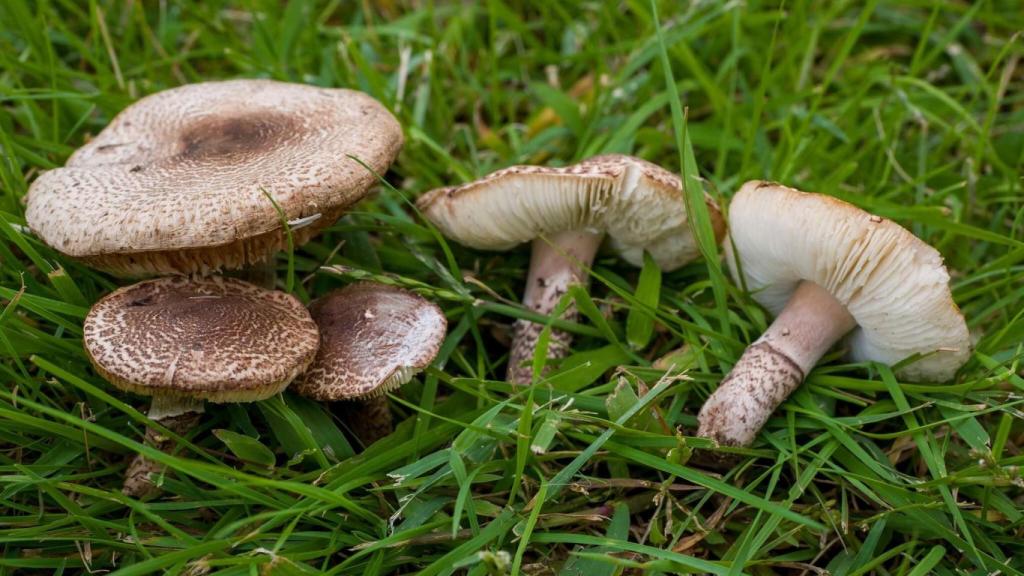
(182, 180)
(566, 213)
(185, 341)
(827, 269)
(373, 339)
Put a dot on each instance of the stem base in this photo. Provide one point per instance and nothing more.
(368, 419)
(772, 368)
(138, 478)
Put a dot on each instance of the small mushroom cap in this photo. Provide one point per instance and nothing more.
(178, 182)
(638, 204)
(893, 284)
(374, 338)
(216, 339)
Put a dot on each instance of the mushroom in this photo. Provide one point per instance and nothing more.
(179, 181)
(374, 338)
(182, 341)
(827, 269)
(566, 213)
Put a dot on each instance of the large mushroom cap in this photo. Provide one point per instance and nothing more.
(638, 204)
(216, 339)
(178, 182)
(374, 338)
(893, 284)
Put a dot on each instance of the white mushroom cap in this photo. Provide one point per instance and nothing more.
(178, 182)
(216, 339)
(893, 284)
(638, 204)
(374, 338)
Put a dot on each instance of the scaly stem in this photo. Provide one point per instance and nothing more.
(262, 274)
(369, 419)
(178, 415)
(772, 368)
(556, 263)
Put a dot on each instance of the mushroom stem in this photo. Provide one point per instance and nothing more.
(262, 274)
(557, 262)
(772, 367)
(369, 419)
(178, 415)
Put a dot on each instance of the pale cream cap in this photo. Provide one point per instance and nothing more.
(639, 205)
(893, 284)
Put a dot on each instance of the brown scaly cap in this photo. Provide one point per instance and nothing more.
(374, 339)
(638, 204)
(178, 182)
(216, 339)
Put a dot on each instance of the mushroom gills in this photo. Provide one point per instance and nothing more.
(774, 366)
(556, 263)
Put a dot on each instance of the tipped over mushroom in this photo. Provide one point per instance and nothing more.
(186, 180)
(566, 213)
(184, 341)
(374, 338)
(828, 269)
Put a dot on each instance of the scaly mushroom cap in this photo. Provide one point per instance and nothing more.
(893, 284)
(178, 182)
(374, 338)
(638, 204)
(216, 339)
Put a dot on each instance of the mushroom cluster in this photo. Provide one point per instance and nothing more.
(826, 268)
(218, 175)
(206, 177)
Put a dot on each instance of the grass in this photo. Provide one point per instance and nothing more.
(913, 110)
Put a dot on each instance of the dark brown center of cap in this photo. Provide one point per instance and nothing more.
(196, 318)
(215, 137)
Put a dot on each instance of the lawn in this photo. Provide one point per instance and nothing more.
(911, 110)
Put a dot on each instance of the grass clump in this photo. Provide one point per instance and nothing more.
(912, 111)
